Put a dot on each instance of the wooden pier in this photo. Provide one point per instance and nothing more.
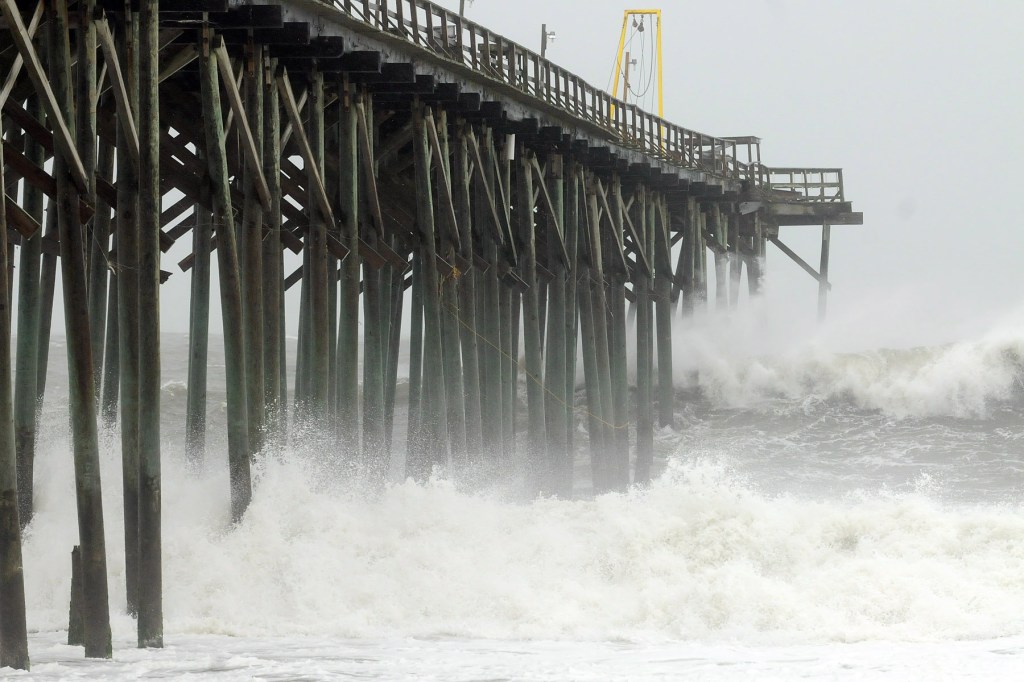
(394, 161)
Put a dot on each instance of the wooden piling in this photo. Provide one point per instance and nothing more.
(230, 288)
(394, 350)
(416, 463)
(151, 626)
(250, 246)
(536, 429)
(720, 228)
(303, 351)
(450, 339)
(595, 423)
(434, 406)
(700, 266)
(273, 263)
(663, 315)
(99, 245)
(348, 298)
(111, 356)
(600, 308)
(13, 631)
(373, 372)
(199, 334)
(616, 306)
(735, 260)
(76, 620)
(559, 477)
(374, 339)
(490, 355)
(506, 381)
(826, 237)
(571, 322)
(318, 361)
(126, 269)
(26, 399)
(467, 295)
(81, 393)
(47, 290)
(756, 266)
(644, 344)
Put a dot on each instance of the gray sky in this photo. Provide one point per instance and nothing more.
(920, 101)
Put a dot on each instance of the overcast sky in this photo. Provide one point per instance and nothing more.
(920, 101)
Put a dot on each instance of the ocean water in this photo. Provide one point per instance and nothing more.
(819, 515)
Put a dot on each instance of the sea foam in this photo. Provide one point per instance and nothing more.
(701, 555)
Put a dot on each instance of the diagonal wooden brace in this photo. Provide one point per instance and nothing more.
(65, 141)
(284, 87)
(252, 157)
(124, 107)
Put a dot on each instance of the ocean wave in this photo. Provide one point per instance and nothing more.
(966, 379)
(701, 555)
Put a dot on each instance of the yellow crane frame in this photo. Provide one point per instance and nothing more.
(656, 13)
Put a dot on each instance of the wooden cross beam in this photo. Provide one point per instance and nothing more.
(19, 61)
(800, 261)
(641, 256)
(599, 189)
(178, 61)
(284, 87)
(563, 253)
(17, 218)
(369, 178)
(500, 228)
(446, 184)
(124, 107)
(64, 139)
(252, 157)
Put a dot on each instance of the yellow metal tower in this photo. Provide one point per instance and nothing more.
(632, 13)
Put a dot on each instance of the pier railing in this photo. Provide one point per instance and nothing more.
(448, 35)
(820, 185)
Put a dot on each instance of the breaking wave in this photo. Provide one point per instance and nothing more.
(702, 555)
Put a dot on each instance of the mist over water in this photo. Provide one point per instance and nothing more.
(808, 498)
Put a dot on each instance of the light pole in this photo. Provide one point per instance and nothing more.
(545, 36)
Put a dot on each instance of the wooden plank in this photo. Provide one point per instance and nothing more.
(124, 107)
(446, 184)
(39, 178)
(17, 218)
(369, 178)
(19, 61)
(63, 137)
(563, 254)
(27, 122)
(178, 61)
(284, 86)
(499, 228)
(799, 261)
(600, 192)
(252, 157)
(638, 245)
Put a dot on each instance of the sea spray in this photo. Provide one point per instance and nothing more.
(703, 554)
(735, 365)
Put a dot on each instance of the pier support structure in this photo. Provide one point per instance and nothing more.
(398, 163)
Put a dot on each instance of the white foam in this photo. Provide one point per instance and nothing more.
(701, 555)
(743, 360)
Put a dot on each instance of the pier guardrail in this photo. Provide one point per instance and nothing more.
(450, 36)
(817, 185)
